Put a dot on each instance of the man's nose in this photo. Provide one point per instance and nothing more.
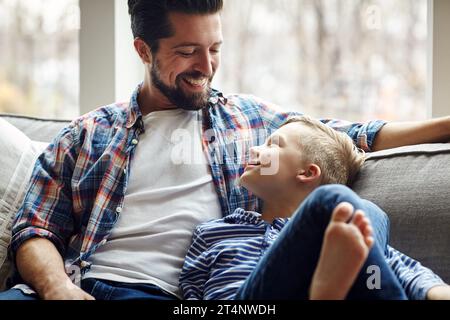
(204, 64)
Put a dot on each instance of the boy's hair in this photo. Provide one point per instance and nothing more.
(150, 18)
(333, 151)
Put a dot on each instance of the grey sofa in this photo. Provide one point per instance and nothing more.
(412, 184)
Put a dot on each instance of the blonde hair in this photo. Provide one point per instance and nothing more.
(333, 151)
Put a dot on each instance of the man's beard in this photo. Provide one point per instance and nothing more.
(176, 95)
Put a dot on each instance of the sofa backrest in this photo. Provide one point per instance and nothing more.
(412, 184)
(36, 129)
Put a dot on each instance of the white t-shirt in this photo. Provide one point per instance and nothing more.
(170, 192)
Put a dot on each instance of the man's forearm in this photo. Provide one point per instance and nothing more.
(397, 134)
(40, 265)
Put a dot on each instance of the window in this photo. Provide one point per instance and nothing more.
(348, 59)
(39, 64)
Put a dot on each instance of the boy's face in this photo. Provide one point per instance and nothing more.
(274, 166)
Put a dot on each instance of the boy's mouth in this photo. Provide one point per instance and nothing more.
(252, 164)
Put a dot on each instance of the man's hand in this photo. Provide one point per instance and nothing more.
(439, 293)
(42, 267)
(65, 290)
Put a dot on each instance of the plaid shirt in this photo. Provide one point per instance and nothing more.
(78, 184)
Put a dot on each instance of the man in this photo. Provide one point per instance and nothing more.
(107, 198)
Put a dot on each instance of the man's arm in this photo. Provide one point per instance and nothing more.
(397, 134)
(42, 267)
(44, 224)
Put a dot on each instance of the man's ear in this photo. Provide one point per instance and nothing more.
(143, 50)
(310, 174)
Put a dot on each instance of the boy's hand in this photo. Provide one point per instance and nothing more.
(439, 293)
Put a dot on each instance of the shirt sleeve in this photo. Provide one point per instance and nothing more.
(195, 269)
(46, 211)
(363, 134)
(416, 279)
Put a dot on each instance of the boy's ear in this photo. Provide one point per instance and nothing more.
(143, 50)
(310, 174)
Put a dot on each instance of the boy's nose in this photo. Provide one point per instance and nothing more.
(254, 153)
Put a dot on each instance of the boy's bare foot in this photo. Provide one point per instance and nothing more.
(345, 248)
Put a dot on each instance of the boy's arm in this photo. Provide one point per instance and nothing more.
(195, 269)
(418, 281)
(441, 292)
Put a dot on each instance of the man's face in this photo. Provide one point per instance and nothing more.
(185, 64)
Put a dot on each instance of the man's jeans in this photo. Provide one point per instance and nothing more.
(104, 290)
(286, 270)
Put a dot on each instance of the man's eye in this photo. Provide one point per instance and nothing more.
(186, 54)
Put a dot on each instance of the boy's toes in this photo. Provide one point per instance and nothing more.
(342, 213)
(358, 219)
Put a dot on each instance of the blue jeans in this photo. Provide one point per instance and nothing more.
(104, 290)
(286, 270)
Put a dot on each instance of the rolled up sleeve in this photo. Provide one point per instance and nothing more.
(46, 211)
(362, 134)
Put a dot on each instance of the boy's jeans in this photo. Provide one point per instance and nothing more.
(286, 270)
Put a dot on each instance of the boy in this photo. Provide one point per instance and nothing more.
(287, 172)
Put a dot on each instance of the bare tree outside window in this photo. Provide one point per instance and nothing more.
(39, 64)
(348, 59)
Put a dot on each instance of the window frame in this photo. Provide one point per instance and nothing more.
(438, 86)
(109, 67)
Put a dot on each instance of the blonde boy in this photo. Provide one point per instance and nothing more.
(312, 239)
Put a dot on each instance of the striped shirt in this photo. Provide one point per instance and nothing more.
(78, 185)
(224, 253)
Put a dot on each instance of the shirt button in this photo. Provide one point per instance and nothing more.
(118, 209)
(135, 141)
(84, 264)
(213, 100)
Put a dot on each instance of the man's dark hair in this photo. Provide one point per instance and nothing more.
(150, 18)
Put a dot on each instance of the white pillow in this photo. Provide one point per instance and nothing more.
(18, 154)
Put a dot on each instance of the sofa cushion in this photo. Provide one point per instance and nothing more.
(412, 184)
(35, 128)
(19, 154)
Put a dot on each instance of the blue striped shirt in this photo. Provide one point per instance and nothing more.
(224, 253)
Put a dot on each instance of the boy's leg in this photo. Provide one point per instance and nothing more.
(345, 248)
(286, 270)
